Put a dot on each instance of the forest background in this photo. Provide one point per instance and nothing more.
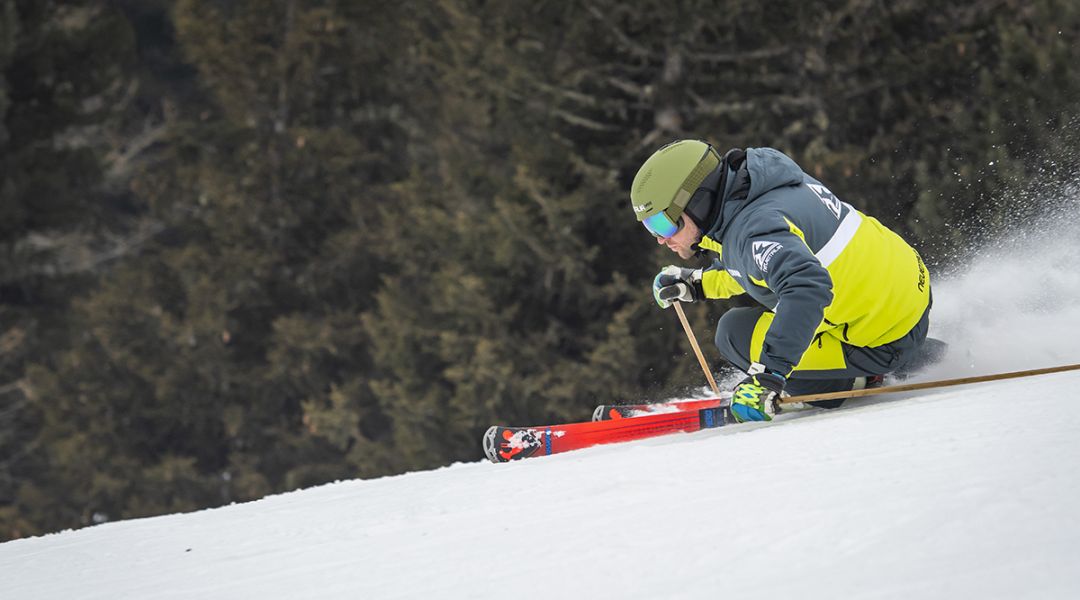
(248, 246)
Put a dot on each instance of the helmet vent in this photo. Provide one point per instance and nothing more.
(644, 179)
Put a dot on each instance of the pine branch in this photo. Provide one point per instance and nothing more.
(624, 40)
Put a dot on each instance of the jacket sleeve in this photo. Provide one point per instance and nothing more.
(718, 284)
(803, 287)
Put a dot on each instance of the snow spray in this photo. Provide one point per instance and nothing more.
(1015, 304)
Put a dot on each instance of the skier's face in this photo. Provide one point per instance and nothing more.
(684, 239)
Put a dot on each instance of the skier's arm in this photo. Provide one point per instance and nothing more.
(718, 284)
(803, 287)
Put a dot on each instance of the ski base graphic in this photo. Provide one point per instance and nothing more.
(504, 444)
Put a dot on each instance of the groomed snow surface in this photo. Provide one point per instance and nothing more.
(967, 492)
(950, 494)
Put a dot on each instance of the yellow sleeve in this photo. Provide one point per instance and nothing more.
(719, 284)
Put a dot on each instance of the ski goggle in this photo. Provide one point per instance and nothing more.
(661, 225)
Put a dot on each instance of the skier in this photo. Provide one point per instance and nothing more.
(844, 300)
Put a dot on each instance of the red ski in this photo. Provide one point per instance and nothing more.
(504, 444)
(607, 412)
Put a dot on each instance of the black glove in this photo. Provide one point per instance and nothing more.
(676, 284)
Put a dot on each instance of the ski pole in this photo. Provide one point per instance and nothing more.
(908, 387)
(697, 349)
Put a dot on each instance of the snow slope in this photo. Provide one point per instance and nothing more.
(967, 492)
(948, 494)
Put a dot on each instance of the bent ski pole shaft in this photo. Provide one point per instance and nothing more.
(697, 349)
(908, 387)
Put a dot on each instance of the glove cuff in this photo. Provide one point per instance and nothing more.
(769, 379)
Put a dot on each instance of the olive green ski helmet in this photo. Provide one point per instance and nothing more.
(664, 184)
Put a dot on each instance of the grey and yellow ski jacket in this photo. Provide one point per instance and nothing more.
(821, 266)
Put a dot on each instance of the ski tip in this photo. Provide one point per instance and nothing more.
(598, 414)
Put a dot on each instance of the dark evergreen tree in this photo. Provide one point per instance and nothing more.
(62, 68)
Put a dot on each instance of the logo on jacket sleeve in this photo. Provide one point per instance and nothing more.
(827, 198)
(763, 253)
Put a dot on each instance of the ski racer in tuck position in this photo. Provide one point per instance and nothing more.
(843, 299)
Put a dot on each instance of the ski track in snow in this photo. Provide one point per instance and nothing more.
(947, 494)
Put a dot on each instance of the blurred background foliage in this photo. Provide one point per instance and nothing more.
(252, 245)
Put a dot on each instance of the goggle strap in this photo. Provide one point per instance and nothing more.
(682, 198)
(709, 161)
